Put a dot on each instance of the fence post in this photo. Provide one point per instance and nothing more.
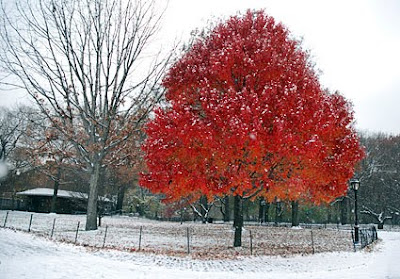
(30, 223)
(52, 229)
(188, 240)
(251, 243)
(140, 237)
(312, 242)
(105, 235)
(77, 229)
(5, 220)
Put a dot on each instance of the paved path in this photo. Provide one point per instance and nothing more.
(23, 255)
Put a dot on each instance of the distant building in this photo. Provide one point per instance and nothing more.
(7, 202)
(68, 202)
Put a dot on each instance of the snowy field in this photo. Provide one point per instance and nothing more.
(202, 241)
(24, 255)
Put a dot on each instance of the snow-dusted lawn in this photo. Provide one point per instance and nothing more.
(24, 255)
(206, 241)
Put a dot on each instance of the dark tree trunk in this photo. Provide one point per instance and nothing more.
(227, 214)
(295, 213)
(329, 217)
(238, 220)
(91, 215)
(266, 212)
(203, 209)
(246, 210)
(263, 211)
(344, 211)
(56, 185)
(14, 207)
(120, 199)
(278, 212)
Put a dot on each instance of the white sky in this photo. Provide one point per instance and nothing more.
(356, 44)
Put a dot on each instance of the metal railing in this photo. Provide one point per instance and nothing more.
(366, 237)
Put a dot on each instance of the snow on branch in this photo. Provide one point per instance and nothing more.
(380, 217)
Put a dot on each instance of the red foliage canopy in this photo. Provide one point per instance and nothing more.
(248, 117)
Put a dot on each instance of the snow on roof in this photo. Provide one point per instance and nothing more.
(47, 192)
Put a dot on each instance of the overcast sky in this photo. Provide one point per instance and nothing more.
(356, 45)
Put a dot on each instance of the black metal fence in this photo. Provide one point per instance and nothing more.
(366, 237)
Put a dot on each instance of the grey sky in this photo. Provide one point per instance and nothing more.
(354, 43)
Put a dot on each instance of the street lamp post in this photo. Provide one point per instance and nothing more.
(355, 184)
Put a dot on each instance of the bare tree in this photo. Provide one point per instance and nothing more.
(10, 132)
(224, 207)
(47, 150)
(83, 62)
(12, 125)
(201, 208)
(380, 217)
(379, 173)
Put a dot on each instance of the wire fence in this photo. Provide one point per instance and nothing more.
(200, 240)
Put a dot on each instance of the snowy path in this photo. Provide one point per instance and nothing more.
(25, 256)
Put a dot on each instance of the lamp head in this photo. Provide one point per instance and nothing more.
(355, 184)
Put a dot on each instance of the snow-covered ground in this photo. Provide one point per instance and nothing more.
(24, 255)
(206, 241)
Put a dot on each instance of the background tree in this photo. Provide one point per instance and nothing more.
(11, 127)
(295, 213)
(48, 151)
(124, 164)
(247, 117)
(12, 159)
(201, 208)
(379, 173)
(82, 63)
(224, 207)
(263, 210)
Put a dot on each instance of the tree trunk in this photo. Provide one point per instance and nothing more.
(295, 213)
(278, 212)
(238, 220)
(263, 211)
(120, 199)
(245, 209)
(54, 198)
(227, 215)
(266, 212)
(91, 216)
(203, 209)
(13, 199)
(344, 211)
(329, 217)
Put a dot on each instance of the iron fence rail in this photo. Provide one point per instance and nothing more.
(366, 237)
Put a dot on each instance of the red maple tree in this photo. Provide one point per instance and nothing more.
(248, 117)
